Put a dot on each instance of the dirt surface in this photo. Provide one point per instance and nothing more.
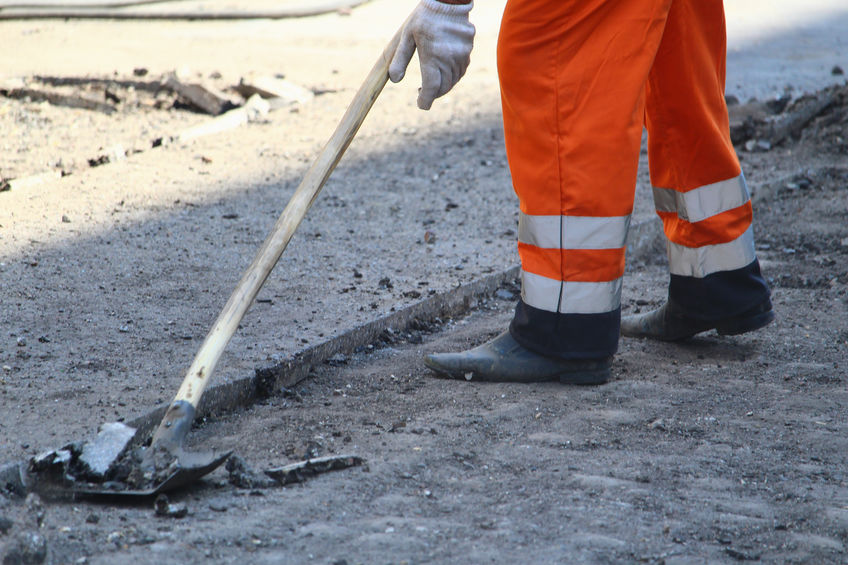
(715, 450)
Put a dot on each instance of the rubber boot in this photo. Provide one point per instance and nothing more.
(670, 323)
(505, 360)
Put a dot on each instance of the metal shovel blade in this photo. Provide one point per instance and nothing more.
(186, 469)
(165, 465)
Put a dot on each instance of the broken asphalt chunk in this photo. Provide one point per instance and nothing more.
(299, 472)
(100, 455)
(163, 507)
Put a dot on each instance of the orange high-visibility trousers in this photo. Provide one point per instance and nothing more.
(579, 80)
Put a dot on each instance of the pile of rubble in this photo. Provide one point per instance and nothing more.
(820, 118)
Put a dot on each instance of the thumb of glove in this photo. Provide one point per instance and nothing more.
(403, 55)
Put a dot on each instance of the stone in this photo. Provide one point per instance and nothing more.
(99, 455)
(27, 548)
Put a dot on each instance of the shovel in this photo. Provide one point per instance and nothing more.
(166, 464)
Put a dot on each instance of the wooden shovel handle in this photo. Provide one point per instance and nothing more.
(198, 374)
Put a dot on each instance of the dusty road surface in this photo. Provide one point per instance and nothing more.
(717, 450)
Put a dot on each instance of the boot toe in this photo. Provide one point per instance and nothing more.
(505, 360)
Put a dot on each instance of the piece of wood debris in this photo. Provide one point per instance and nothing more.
(29, 181)
(199, 96)
(254, 109)
(152, 86)
(57, 99)
(745, 119)
(299, 472)
(275, 88)
(109, 155)
(801, 114)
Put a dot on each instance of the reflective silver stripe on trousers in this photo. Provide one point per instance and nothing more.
(573, 232)
(702, 261)
(570, 297)
(705, 201)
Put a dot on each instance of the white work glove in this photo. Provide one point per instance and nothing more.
(444, 38)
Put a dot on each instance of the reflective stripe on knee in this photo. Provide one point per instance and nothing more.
(705, 201)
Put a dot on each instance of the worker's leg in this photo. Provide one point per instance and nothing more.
(572, 78)
(699, 190)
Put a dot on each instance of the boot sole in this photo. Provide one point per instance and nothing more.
(581, 377)
(586, 378)
(732, 326)
(745, 325)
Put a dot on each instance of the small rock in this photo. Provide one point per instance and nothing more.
(35, 510)
(65, 219)
(242, 476)
(50, 461)
(658, 424)
(837, 70)
(29, 548)
(741, 555)
(504, 294)
(778, 105)
(100, 454)
(5, 525)
(11, 480)
(337, 360)
(21, 341)
(164, 508)
(429, 237)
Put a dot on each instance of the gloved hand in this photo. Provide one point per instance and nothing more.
(444, 37)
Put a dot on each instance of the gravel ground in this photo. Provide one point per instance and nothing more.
(717, 450)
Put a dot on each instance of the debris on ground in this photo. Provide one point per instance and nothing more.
(24, 540)
(299, 472)
(99, 456)
(102, 460)
(163, 507)
(201, 97)
(242, 476)
(230, 105)
(761, 125)
(273, 87)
